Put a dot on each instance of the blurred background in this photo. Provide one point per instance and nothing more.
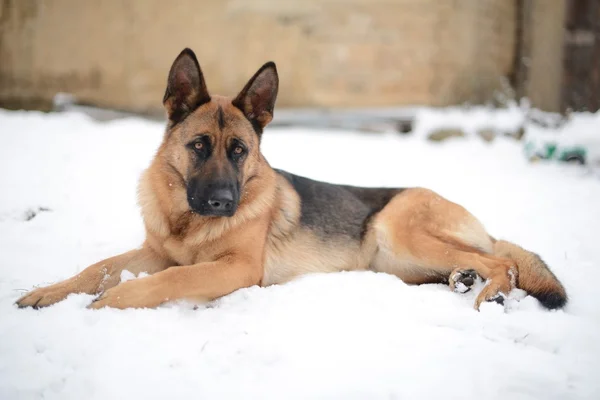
(338, 60)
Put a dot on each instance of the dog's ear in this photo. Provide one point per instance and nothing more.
(186, 89)
(257, 98)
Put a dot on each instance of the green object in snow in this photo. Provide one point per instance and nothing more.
(573, 154)
(552, 151)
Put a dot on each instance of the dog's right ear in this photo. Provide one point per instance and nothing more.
(186, 89)
(257, 98)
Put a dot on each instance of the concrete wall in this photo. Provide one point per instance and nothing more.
(117, 53)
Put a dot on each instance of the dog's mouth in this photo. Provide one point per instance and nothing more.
(213, 213)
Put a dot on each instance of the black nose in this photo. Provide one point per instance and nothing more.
(221, 200)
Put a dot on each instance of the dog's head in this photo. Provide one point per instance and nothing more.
(212, 142)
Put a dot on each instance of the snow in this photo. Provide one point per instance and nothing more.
(128, 275)
(69, 199)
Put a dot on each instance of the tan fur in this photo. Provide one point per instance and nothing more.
(418, 236)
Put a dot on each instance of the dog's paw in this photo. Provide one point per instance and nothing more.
(137, 293)
(44, 297)
(492, 292)
(461, 280)
(498, 298)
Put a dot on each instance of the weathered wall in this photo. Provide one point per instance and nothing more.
(116, 53)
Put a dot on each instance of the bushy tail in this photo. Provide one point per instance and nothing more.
(534, 275)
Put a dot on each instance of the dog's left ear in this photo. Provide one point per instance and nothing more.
(257, 98)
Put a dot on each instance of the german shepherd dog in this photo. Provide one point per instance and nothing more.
(218, 218)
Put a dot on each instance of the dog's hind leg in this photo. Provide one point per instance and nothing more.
(446, 263)
(423, 238)
(97, 278)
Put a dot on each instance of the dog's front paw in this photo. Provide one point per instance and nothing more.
(46, 296)
(131, 294)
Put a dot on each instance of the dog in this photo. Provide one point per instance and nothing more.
(218, 218)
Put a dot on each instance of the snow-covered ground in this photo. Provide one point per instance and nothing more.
(68, 199)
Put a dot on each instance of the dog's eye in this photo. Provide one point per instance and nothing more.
(237, 150)
(198, 145)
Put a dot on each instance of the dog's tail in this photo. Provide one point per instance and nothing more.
(534, 275)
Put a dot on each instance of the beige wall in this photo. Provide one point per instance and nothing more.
(116, 53)
(547, 44)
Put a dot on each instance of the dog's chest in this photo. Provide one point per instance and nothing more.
(178, 251)
(190, 254)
